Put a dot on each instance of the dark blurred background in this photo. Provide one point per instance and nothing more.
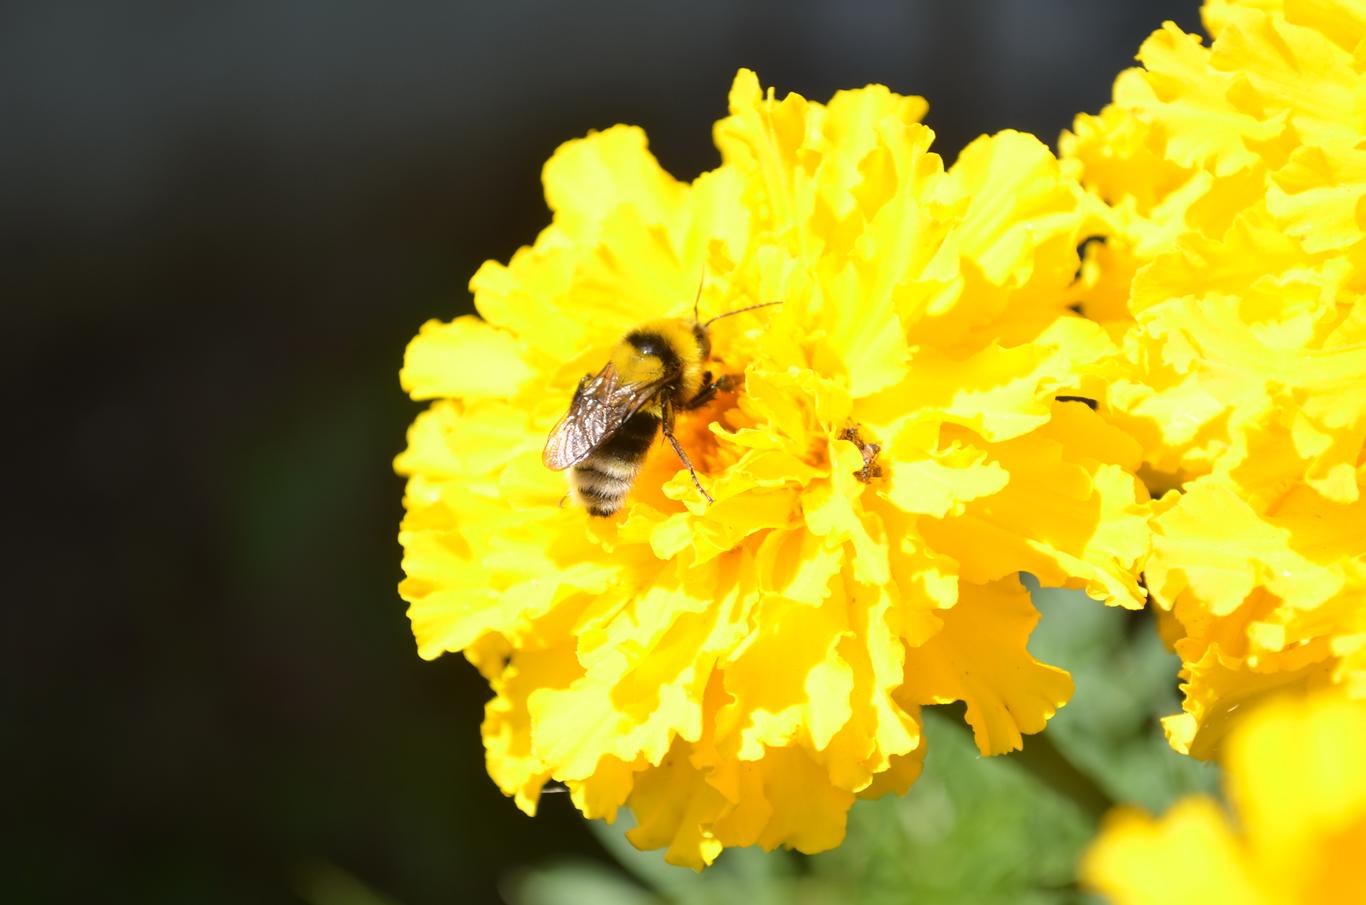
(220, 224)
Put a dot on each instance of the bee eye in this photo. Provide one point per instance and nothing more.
(644, 343)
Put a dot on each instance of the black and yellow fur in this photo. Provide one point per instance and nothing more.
(670, 352)
(656, 371)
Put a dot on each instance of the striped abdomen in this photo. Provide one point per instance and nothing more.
(603, 479)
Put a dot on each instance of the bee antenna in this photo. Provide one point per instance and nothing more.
(697, 298)
(741, 311)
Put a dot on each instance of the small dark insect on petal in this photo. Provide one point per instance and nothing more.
(870, 467)
(1084, 400)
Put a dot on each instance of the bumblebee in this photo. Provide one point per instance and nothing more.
(655, 372)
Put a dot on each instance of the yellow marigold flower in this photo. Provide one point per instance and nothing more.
(1233, 274)
(1295, 782)
(738, 672)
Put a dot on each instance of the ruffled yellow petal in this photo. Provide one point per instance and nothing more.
(1008, 693)
(1263, 605)
(1016, 211)
(1303, 554)
(1222, 689)
(465, 358)
(944, 481)
(1065, 516)
(780, 800)
(589, 181)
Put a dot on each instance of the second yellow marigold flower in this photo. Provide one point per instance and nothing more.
(1234, 273)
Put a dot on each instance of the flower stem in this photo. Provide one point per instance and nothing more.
(1041, 758)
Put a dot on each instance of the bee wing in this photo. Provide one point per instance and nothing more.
(601, 404)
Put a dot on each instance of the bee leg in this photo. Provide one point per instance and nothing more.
(723, 384)
(667, 425)
(705, 395)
